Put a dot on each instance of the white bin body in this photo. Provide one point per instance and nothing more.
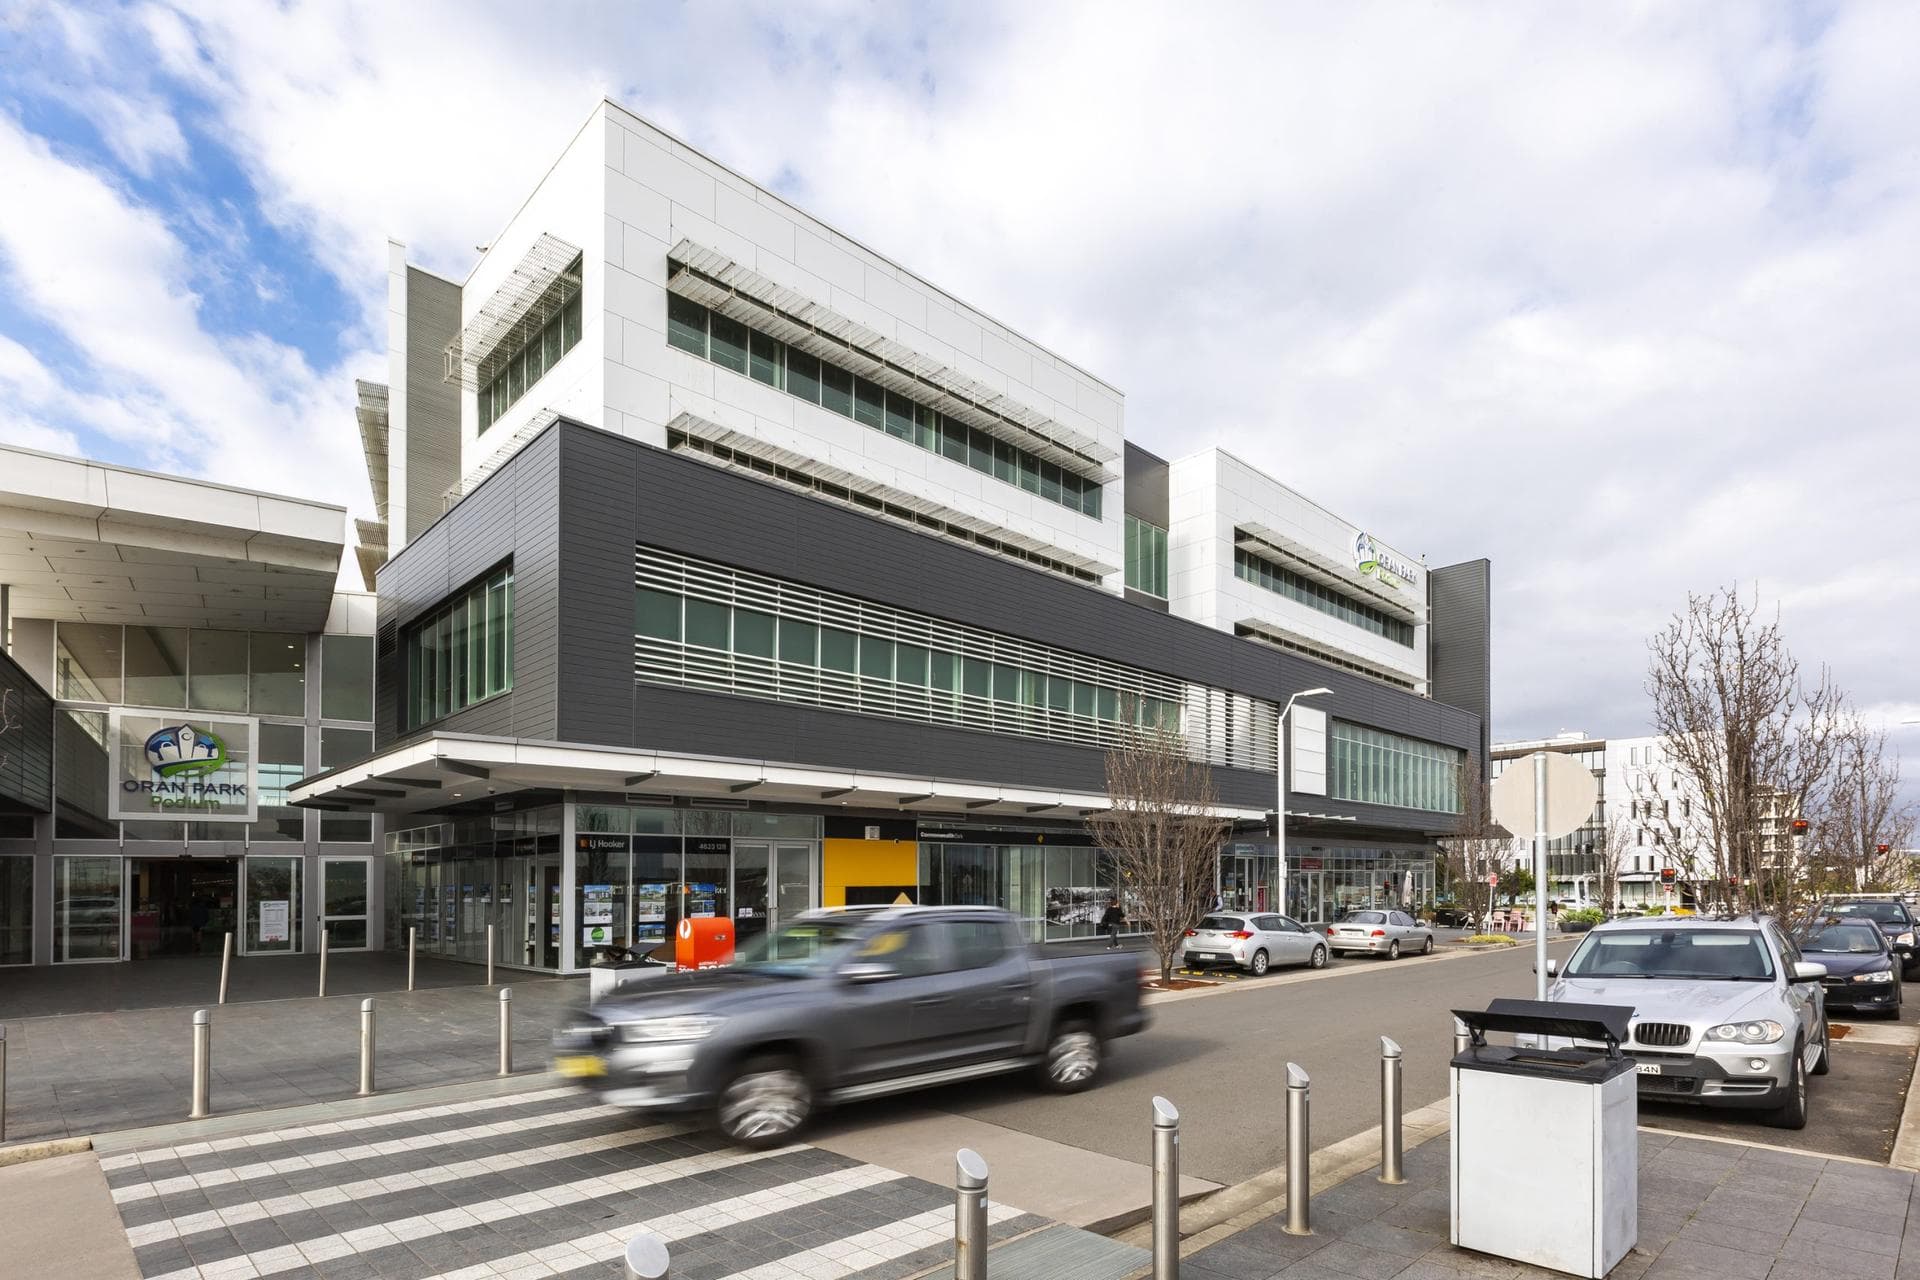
(1546, 1171)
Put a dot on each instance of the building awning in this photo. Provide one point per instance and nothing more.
(698, 428)
(1324, 569)
(715, 281)
(439, 771)
(527, 297)
(85, 541)
(370, 411)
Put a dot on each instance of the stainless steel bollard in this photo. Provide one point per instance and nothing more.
(1390, 1146)
(226, 960)
(1462, 1038)
(3, 1084)
(366, 1047)
(1166, 1190)
(323, 964)
(1299, 1153)
(411, 931)
(489, 955)
(506, 1031)
(202, 1063)
(969, 1216)
(646, 1257)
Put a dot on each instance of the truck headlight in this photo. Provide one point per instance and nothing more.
(1883, 975)
(694, 1026)
(1905, 939)
(1747, 1032)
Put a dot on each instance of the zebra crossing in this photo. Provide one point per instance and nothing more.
(537, 1184)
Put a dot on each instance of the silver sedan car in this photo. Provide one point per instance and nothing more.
(1381, 933)
(1253, 941)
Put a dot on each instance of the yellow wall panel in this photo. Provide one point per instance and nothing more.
(866, 863)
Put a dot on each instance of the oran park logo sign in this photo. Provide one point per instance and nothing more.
(1370, 558)
(182, 751)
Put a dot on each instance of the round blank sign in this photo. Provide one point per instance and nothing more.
(1571, 793)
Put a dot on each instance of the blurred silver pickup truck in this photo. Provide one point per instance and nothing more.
(840, 1005)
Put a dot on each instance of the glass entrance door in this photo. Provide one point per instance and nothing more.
(272, 906)
(772, 883)
(544, 900)
(1306, 896)
(343, 902)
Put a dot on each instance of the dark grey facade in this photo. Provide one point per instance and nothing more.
(571, 506)
(1460, 655)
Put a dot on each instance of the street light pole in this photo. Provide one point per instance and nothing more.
(1280, 811)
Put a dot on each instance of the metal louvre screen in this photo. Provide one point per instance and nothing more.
(708, 626)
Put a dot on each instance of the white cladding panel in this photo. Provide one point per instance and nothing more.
(1307, 762)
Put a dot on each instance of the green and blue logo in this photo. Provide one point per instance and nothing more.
(182, 751)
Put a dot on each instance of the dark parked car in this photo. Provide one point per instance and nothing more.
(1452, 917)
(1894, 919)
(842, 1005)
(1862, 971)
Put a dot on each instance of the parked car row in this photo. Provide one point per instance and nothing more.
(1257, 941)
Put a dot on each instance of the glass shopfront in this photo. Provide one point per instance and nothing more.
(1324, 882)
(448, 882)
(1056, 882)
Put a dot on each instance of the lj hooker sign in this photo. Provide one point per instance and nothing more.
(174, 764)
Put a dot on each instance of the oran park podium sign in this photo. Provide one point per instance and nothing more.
(173, 764)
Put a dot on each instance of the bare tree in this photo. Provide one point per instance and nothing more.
(1748, 732)
(1860, 823)
(1479, 846)
(1163, 836)
(7, 724)
(1610, 854)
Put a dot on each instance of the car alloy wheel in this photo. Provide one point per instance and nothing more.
(1319, 960)
(1259, 963)
(1825, 1064)
(767, 1103)
(1393, 949)
(1073, 1058)
(1426, 948)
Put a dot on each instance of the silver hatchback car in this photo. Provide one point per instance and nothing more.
(1252, 941)
(1382, 933)
(1726, 1013)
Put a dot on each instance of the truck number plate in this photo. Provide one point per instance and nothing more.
(1647, 1068)
(579, 1067)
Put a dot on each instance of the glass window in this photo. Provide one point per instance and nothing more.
(763, 360)
(277, 680)
(656, 614)
(1108, 702)
(926, 428)
(1006, 682)
(708, 624)
(753, 633)
(516, 377)
(273, 904)
(876, 658)
(975, 944)
(799, 642)
(16, 910)
(899, 416)
(869, 404)
(1146, 557)
(686, 325)
(1004, 467)
(803, 375)
(343, 902)
(338, 749)
(570, 323)
(80, 776)
(282, 763)
(729, 338)
(217, 670)
(87, 662)
(839, 650)
(941, 667)
(953, 440)
(912, 664)
(346, 677)
(836, 389)
(977, 678)
(980, 451)
(156, 666)
(86, 908)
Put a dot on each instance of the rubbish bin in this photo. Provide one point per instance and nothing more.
(1546, 1156)
(604, 976)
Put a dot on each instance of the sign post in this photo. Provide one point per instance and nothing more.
(1548, 801)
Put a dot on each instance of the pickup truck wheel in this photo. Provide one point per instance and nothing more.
(1073, 1058)
(1792, 1114)
(766, 1103)
(1259, 963)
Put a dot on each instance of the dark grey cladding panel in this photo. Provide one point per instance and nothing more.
(1147, 486)
(26, 742)
(514, 513)
(1460, 638)
(702, 723)
(628, 492)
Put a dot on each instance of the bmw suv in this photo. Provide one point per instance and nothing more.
(1726, 1013)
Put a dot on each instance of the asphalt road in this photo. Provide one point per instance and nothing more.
(1221, 1059)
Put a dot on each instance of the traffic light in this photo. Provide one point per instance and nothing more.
(1883, 848)
(1799, 826)
(1666, 875)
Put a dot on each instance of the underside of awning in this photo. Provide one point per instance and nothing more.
(1311, 563)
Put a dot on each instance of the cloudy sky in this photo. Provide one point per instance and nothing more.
(1624, 297)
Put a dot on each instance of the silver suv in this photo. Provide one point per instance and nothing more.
(1725, 1012)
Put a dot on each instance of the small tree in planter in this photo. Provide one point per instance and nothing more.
(1581, 919)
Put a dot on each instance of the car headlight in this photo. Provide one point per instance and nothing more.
(1905, 939)
(1882, 975)
(1747, 1032)
(694, 1026)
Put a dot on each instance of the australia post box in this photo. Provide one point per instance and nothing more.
(703, 942)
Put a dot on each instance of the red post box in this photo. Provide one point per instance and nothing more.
(703, 942)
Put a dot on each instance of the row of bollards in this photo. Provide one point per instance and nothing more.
(226, 959)
(201, 1102)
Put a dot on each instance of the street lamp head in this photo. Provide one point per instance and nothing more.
(1312, 693)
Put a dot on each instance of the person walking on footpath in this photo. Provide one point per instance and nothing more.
(1110, 923)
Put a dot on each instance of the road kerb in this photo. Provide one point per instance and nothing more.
(1906, 1144)
(1272, 980)
(22, 1152)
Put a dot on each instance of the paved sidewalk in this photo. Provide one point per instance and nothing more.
(95, 1072)
(1708, 1211)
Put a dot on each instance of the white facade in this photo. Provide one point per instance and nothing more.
(1217, 503)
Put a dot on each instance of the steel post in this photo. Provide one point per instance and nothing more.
(366, 1047)
(489, 955)
(1462, 1038)
(411, 931)
(1166, 1190)
(3, 1084)
(202, 1063)
(506, 1031)
(646, 1257)
(969, 1216)
(323, 963)
(226, 960)
(1390, 1145)
(1540, 875)
(1299, 1152)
